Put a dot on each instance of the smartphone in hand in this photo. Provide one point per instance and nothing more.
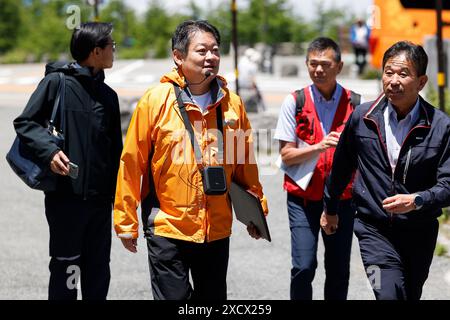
(73, 170)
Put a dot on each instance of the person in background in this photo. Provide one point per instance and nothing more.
(316, 120)
(359, 37)
(248, 68)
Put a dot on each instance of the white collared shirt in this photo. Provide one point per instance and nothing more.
(396, 131)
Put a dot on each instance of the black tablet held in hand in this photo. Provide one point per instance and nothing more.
(248, 209)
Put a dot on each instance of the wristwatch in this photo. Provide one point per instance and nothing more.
(418, 202)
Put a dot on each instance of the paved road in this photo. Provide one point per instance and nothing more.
(257, 269)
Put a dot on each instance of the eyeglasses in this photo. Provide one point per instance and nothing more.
(112, 43)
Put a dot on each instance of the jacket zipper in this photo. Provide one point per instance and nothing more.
(391, 217)
(408, 159)
(204, 203)
(205, 197)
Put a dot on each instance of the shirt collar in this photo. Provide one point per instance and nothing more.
(411, 117)
(335, 97)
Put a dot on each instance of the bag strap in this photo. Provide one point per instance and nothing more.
(151, 200)
(355, 99)
(188, 126)
(299, 101)
(219, 118)
(59, 102)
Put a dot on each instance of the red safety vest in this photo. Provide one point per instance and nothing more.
(309, 130)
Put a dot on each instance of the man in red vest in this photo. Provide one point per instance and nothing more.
(308, 128)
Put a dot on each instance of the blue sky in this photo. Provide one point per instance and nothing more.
(305, 8)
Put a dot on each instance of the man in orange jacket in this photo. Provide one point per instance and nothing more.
(187, 225)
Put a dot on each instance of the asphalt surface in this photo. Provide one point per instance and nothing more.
(257, 269)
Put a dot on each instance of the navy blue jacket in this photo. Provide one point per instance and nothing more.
(423, 165)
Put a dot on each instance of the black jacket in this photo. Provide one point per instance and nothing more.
(93, 138)
(423, 165)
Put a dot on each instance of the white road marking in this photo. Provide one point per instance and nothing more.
(27, 80)
(118, 75)
(146, 78)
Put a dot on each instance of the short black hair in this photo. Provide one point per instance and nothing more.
(182, 36)
(88, 36)
(322, 44)
(413, 52)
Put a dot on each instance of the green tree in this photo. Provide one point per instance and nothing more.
(268, 21)
(220, 17)
(43, 30)
(302, 32)
(158, 29)
(251, 23)
(329, 21)
(280, 21)
(124, 21)
(38, 27)
(196, 11)
(9, 24)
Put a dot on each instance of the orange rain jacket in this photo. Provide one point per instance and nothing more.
(185, 212)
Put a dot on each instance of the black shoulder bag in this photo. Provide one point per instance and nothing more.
(37, 175)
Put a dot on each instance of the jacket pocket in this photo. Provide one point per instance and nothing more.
(369, 146)
(422, 165)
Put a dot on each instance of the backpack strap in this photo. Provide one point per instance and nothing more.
(355, 99)
(299, 101)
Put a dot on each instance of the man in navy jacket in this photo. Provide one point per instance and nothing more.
(399, 145)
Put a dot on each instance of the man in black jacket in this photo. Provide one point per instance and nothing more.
(400, 145)
(79, 211)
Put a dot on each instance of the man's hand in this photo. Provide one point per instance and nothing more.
(329, 223)
(400, 203)
(130, 244)
(60, 164)
(330, 141)
(253, 231)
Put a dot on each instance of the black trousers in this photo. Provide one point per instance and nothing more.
(171, 260)
(80, 247)
(360, 58)
(397, 258)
